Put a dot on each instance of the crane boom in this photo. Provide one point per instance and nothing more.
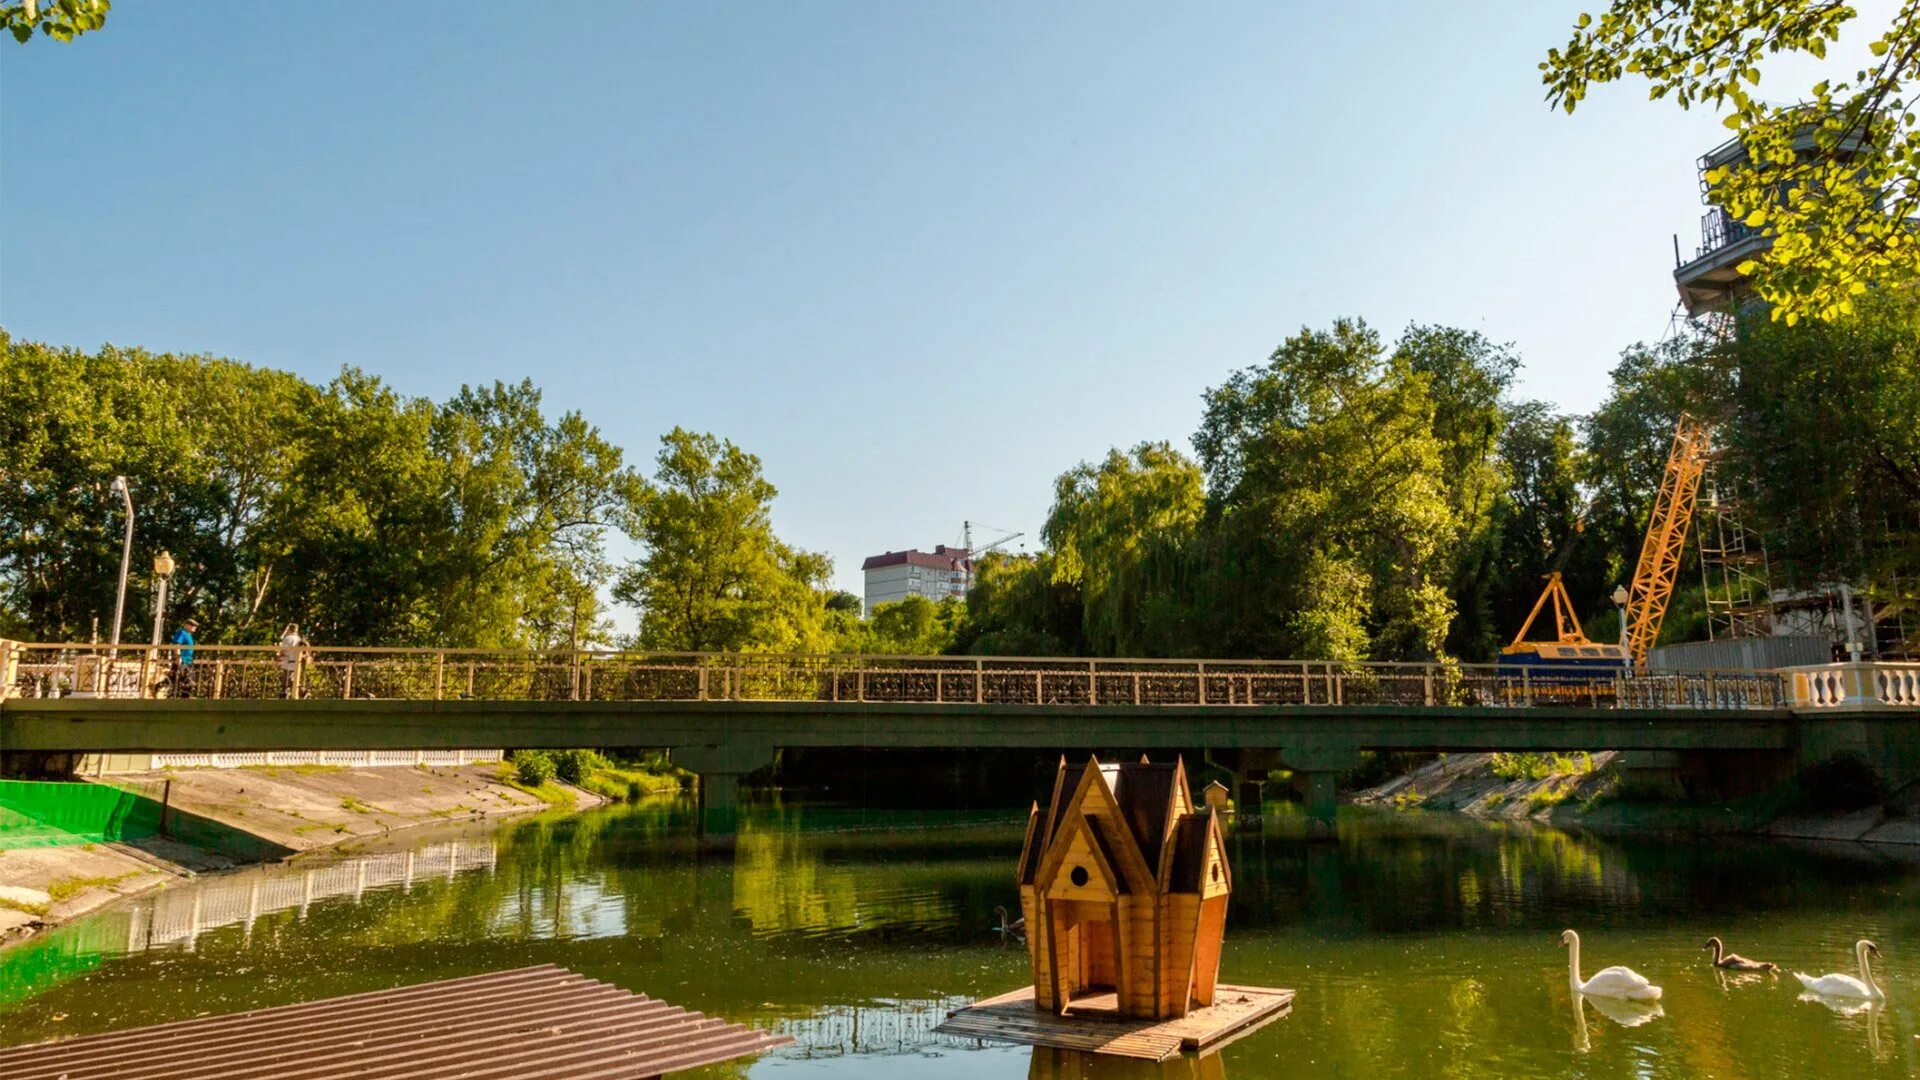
(1666, 539)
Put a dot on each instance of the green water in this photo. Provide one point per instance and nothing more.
(1420, 945)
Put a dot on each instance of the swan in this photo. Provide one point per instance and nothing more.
(1613, 982)
(1727, 961)
(1846, 986)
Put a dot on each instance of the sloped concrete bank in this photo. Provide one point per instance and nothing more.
(1595, 792)
(221, 818)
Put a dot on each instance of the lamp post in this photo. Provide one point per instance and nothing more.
(1620, 598)
(126, 557)
(162, 574)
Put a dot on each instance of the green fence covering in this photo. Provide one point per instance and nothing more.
(37, 813)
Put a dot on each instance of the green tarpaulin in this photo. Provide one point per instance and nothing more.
(36, 813)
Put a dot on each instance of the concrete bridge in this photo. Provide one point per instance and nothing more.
(724, 715)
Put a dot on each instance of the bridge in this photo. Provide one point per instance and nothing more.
(724, 715)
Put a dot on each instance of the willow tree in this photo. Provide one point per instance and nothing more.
(1833, 177)
(1121, 532)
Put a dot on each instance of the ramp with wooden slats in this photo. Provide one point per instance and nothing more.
(526, 1024)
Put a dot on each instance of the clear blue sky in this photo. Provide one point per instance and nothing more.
(920, 258)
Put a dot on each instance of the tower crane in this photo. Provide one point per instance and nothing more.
(966, 538)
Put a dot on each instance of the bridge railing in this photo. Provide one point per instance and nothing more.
(266, 672)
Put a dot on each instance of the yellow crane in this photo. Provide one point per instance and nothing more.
(1666, 539)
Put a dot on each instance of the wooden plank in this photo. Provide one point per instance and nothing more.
(1093, 1024)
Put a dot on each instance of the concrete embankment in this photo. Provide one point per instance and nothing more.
(1595, 792)
(220, 818)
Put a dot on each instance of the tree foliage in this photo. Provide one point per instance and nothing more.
(1833, 177)
(62, 20)
(713, 575)
(367, 516)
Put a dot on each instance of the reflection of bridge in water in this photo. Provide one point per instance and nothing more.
(177, 917)
(887, 1026)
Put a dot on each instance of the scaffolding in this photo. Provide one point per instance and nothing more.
(1734, 574)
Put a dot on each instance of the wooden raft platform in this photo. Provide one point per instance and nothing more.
(1093, 1023)
(530, 1022)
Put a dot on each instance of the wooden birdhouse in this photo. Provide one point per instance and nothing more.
(1124, 885)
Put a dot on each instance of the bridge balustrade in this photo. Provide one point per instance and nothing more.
(249, 673)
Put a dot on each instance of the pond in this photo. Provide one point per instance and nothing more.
(1420, 945)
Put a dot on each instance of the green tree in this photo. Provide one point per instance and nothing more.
(1328, 485)
(1468, 376)
(1833, 178)
(713, 575)
(1827, 436)
(62, 20)
(915, 626)
(1017, 606)
(1121, 533)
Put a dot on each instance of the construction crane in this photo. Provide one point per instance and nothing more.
(1570, 646)
(966, 539)
(1666, 539)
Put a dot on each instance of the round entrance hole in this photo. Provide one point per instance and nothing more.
(1078, 876)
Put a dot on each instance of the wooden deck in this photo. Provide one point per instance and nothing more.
(1093, 1023)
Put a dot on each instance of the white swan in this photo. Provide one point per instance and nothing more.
(1846, 986)
(1613, 982)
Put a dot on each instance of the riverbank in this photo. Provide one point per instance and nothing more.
(1592, 791)
(217, 819)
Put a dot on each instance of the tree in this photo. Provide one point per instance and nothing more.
(1828, 437)
(62, 20)
(1834, 178)
(915, 626)
(1468, 376)
(1120, 533)
(714, 577)
(1328, 484)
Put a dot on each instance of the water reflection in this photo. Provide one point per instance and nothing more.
(1050, 1063)
(1418, 947)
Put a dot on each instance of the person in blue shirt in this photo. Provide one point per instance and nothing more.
(183, 659)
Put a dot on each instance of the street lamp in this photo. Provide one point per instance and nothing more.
(126, 557)
(1620, 598)
(162, 573)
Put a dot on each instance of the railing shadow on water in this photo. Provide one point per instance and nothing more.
(256, 673)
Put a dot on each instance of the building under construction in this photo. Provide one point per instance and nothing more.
(1746, 597)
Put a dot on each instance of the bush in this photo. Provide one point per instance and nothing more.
(574, 766)
(532, 767)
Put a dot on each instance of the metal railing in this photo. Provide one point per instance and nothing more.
(343, 674)
(1718, 229)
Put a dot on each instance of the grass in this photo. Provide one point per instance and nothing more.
(30, 909)
(348, 802)
(620, 783)
(66, 888)
(1549, 796)
(1408, 799)
(1498, 798)
(549, 792)
(1540, 766)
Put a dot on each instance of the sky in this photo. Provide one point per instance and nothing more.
(919, 258)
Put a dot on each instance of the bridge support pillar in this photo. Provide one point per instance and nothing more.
(1318, 766)
(1650, 774)
(721, 767)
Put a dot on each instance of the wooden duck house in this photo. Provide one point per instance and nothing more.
(1124, 885)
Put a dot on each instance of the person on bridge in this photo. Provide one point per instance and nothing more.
(290, 645)
(183, 658)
